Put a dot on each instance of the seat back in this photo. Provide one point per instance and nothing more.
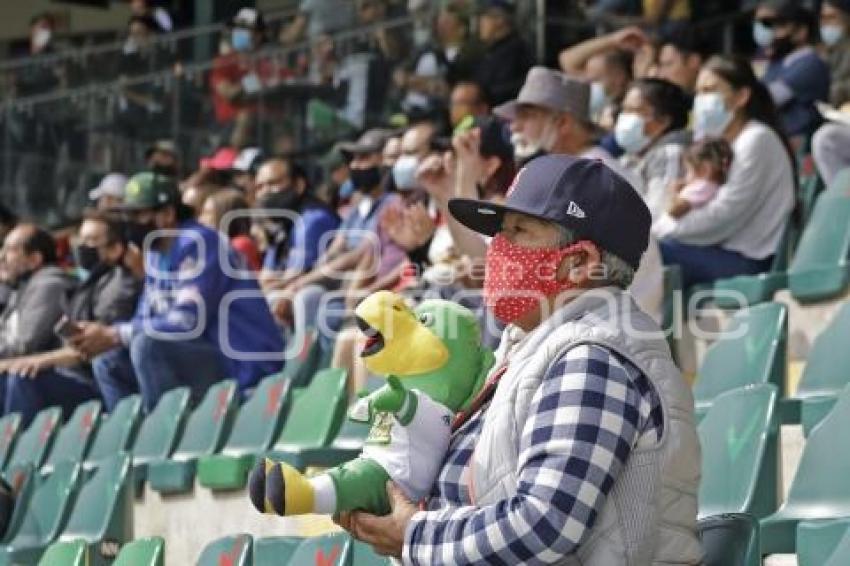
(159, 431)
(117, 429)
(841, 554)
(206, 425)
(104, 507)
(69, 553)
(821, 479)
(35, 442)
(10, 426)
(826, 365)
(332, 549)
(143, 552)
(739, 454)
(233, 551)
(275, 551)
(840, 185)
(730, 540)
(260, 418)
(817, 540)
(300, 369)
(820, 267)
(363, 555)
(750, 351)
(48, 507)
(317, 413)
(74, 439)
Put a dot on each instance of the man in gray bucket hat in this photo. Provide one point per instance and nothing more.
(551, 114)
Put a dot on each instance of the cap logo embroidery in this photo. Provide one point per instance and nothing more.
(514, 183)
(575, 210)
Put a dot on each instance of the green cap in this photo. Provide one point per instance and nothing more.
(149, 190)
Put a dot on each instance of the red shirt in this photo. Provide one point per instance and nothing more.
(248, 248)
(232, 68)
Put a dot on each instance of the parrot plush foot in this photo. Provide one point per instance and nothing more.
(279, 489)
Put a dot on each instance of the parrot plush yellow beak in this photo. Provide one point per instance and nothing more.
(397, 341)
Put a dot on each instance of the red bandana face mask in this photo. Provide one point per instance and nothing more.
(516, 278)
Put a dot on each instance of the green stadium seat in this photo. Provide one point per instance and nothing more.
(751, 350)
(344, 447)
(817, 540)
(820, 489)
(159, 432)
(116, 431)
(70, 553)
(142, 552)
(363, 555)
(740, 459)
(258, 422)
(10, 427)
(826, 373)
(730, 540)
(34, 444)
(840, 185)
(275, 551)
(43, 517)
(234, 550)
(841, 554)
(308, 360)
(75, 437)
(204, 434)
(23, 481)
(314, 419)
(820, 267)
(333, 549)
(103, 511)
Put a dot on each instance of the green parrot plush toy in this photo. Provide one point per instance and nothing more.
(435, 365)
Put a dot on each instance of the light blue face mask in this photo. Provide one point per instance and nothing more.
(762, 35)
(598, 98)
(346, 189)
(404, 172)
(241, 39)
(629, 132)
(711, 116)
(831, 34)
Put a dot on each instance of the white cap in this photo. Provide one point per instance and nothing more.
(111, 185)
(246, 158)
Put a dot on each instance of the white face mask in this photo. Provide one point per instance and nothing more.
(404, 172)
(41, 38)
(831, 34)
(630, 132)
(762, 35)
(711, 116)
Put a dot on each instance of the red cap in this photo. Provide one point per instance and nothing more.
(221, 160)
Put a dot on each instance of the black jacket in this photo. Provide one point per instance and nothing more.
(503, 68)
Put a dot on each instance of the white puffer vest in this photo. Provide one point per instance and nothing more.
(650, 514)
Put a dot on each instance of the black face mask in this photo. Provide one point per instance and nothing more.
(167, 170)
(781, 47)
(87, 257)
(365, 180)
(280, 200)
(135, 232)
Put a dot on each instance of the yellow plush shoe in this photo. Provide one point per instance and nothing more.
(279, 489)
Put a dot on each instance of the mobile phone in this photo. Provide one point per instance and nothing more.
(66, 327)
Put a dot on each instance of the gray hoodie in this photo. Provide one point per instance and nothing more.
(27, 322)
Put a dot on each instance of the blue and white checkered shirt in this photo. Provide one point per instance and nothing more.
(591, 409)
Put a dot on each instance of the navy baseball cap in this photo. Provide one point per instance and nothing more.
(583, 195)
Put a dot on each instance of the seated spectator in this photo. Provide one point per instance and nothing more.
(297, 227)
(651, 129)
(738, 231)
(163, 157)
(316, 18)
(796, 76)
(707, 165)
(109, 192)
(831, 143)
(40, 293)
(217, 213)
(680, 58)
(506, 57)
(585, 59)
(335, 175)
(30, 80)
(467, 99)
(8, 220)
(196, 324)
(108, 295)
(143, 9)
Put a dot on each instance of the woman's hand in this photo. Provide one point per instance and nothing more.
(436, 176)
(385, 534)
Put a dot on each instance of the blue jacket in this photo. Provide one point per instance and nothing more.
(188, 293)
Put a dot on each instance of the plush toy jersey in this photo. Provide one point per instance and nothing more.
(435, 365)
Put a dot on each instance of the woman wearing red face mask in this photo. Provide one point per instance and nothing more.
(584, 425)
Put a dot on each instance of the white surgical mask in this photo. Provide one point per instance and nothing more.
(404, 172)
(41, 38)
(831, 33)
(711, 116)
(629, 132)
(762, 35)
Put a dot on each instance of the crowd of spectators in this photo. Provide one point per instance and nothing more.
(185, 275)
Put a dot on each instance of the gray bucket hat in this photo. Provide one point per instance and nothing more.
(552, 90)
